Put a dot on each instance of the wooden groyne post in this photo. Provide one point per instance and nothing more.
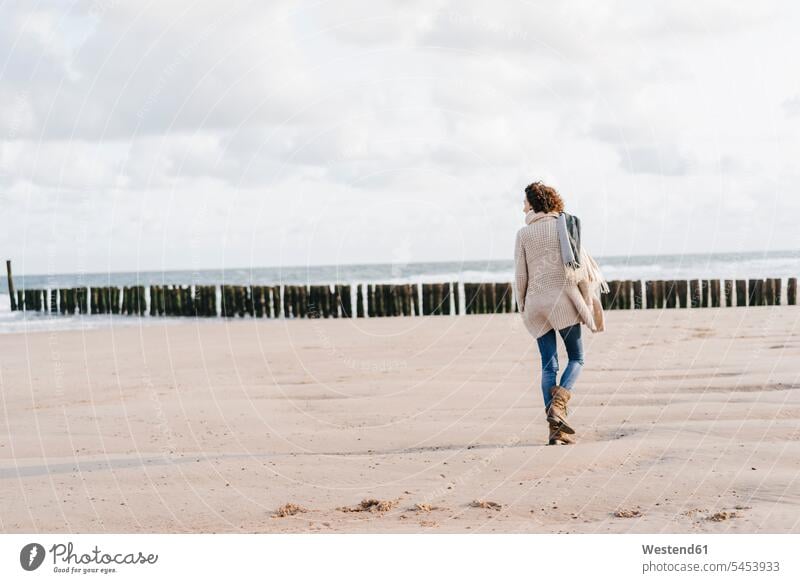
(11, 294)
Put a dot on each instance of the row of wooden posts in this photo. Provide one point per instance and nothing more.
(382, 300)
(288, 301)
(698, 293)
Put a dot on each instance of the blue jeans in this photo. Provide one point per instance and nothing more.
(548, 349)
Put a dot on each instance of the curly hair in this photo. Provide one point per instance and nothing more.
(543, 198)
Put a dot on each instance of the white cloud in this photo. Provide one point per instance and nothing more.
(334, 132)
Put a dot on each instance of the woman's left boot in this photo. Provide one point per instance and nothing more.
(557, 412)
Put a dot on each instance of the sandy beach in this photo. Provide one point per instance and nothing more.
(688, 421)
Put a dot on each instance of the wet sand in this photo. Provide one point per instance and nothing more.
(688, 421)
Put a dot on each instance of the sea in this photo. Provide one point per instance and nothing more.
(776, 264)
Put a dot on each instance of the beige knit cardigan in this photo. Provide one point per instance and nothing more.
(546, 299)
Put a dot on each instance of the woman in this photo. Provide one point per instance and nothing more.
(557, 286)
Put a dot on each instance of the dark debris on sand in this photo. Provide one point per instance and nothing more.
(289, 509)
(486, 504)
(628, 513)
(370, 505)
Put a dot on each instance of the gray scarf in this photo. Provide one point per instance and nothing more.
(569, 237)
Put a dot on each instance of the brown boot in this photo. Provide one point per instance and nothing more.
(557, 413)
(557, 436)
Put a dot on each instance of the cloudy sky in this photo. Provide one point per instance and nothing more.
(150, 135)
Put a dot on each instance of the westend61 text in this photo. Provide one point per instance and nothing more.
(672, 550)
(65, 554)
